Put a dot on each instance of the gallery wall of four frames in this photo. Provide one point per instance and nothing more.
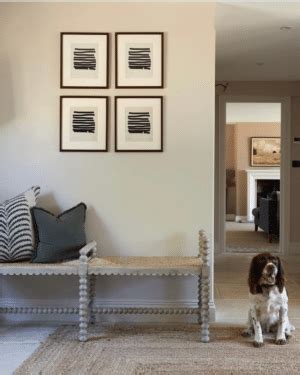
(84, 64)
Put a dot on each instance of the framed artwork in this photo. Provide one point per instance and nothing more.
(139, 60)
(139, 123)
(83, 123)
(265, 151)
(84, 60)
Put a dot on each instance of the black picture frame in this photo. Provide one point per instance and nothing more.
(68, 86)
(161, 117)
(117, 59)
(61, 148)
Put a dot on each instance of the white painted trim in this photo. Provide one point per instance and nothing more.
(285, 176)
(284, 169)
(222, 174)
(230, 217)
(253, 112)
(242, 219)
(252, 176)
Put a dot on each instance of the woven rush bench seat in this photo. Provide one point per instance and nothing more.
(197, 266)
(146, 266)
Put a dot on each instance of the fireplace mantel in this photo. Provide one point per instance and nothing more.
(252, 176)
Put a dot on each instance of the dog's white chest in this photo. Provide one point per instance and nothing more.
(268, 305)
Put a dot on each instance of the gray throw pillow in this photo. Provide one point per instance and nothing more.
(59, 238)
(16, 234)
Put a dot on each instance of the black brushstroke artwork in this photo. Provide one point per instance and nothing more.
(139, 58)
(139, 123)
(84, 58)
(83, 122)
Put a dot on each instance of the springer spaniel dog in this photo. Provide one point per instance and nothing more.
(268, 300)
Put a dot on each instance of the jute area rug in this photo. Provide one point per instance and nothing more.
(159, 350)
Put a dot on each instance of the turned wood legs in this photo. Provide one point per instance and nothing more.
(205, 306)
(199, 299)
(83, 306)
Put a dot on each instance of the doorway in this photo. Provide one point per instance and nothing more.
(252, 175)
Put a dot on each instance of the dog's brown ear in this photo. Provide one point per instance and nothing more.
(280, 280)
(254, 276)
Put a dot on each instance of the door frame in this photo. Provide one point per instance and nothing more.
(220, 217)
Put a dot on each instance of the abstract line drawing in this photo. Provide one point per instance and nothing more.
(84, 58)
(139, 123)
(83, 122)
(139, 58)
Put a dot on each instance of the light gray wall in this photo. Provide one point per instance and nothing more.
(138, 203)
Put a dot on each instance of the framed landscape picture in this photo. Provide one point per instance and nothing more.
(139, 60)
(83, 123)
(84, 60)
(139, 123)
(265, 152)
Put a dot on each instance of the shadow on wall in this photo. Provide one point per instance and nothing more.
(49, 203)
(96, 230)
(176, 244)
(6, 94)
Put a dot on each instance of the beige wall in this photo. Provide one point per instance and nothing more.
(280, 89)
(230, 147)
(138, 203)
(240, 146)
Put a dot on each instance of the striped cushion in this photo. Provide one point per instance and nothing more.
(16, 232)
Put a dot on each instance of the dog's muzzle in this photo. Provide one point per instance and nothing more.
(269, 273)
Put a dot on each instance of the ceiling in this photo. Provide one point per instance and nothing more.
(252, 47)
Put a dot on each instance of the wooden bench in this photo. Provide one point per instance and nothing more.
(145, 266)
(67, 268)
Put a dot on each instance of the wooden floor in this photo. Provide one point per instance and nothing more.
(231, 290)
(242, 238)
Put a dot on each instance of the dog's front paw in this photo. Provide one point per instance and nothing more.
(258, 344)
(281, 342)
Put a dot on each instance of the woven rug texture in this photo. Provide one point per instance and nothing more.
(141, 350)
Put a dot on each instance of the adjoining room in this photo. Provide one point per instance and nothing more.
(253, 155)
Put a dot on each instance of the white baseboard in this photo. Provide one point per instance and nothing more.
(68, 318)
(230, 217)
(242, 219)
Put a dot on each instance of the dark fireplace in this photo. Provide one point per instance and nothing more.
(266, 187)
